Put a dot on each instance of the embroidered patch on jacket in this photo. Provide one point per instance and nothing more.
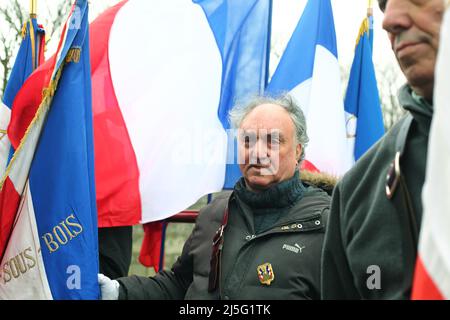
(265, 273)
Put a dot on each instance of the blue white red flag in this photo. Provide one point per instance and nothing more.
(49, 246)
(309, 70)
(160, 139)
(244, 50)
(29, 57)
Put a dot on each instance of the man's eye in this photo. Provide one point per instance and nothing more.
(273, 141)
(248, 141)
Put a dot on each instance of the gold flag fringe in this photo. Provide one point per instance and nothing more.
(47, 97)
(73, 55)
(363, 29)
(24, 30)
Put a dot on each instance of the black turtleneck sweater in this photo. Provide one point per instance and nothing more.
(269, 205)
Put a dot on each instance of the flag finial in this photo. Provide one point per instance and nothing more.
(369, 8)
(33, 8)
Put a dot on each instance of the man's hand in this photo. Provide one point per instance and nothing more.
(109, 288)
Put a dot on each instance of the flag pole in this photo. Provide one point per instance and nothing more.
(269, 38)
(33, 15)
(33, 8)
(370, 21)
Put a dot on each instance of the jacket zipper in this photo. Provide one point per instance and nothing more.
(288, 223)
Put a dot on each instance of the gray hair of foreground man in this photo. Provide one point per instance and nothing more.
(239, 112)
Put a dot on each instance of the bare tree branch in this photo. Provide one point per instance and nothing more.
(15, 17)
(19, 12)
(388, 82)
(53, 25)
(4, 60)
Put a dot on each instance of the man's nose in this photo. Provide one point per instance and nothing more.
(260, 150)
(397, 16)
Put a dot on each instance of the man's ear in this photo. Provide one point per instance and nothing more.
(298, 152)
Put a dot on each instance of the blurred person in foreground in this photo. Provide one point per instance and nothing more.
(371, 242)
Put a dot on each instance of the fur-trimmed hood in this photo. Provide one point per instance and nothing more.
(320, 180)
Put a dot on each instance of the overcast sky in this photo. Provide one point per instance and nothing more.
(348, 15)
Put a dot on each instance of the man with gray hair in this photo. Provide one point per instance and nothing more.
(262, 241)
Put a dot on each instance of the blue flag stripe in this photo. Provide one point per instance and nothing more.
(362, 98)
(62, 177)
(288, 75)
(244, 50)
(23, 65)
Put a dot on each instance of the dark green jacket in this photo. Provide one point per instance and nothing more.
(365, 228)
(292, 247)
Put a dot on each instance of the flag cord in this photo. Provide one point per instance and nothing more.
(33, 45)
(47, 96)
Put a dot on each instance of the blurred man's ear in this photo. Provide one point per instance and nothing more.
(382, 4)
(298, 152)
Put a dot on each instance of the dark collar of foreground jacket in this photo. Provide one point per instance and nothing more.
(282, 195)
(420, 109)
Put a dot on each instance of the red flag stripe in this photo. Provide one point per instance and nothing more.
(9, 203)
(27, 102)
(424, 287)
(149, 255)
(116, 169)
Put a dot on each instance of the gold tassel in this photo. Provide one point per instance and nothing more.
(24, 30)
(73, 55)
(364, 28)
(49, 92)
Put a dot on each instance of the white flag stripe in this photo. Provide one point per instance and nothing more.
(22, 269)
(5, 145)
(164, 108)
(434, 247)
(328, 149)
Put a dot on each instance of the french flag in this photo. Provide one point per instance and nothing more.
(49, 245)
(164, 75)
(362, 101)
(309, 70)
(432, 274)
(29, 57)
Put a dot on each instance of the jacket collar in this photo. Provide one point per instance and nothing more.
(280, 196)
(313, 202)
(420, 109)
